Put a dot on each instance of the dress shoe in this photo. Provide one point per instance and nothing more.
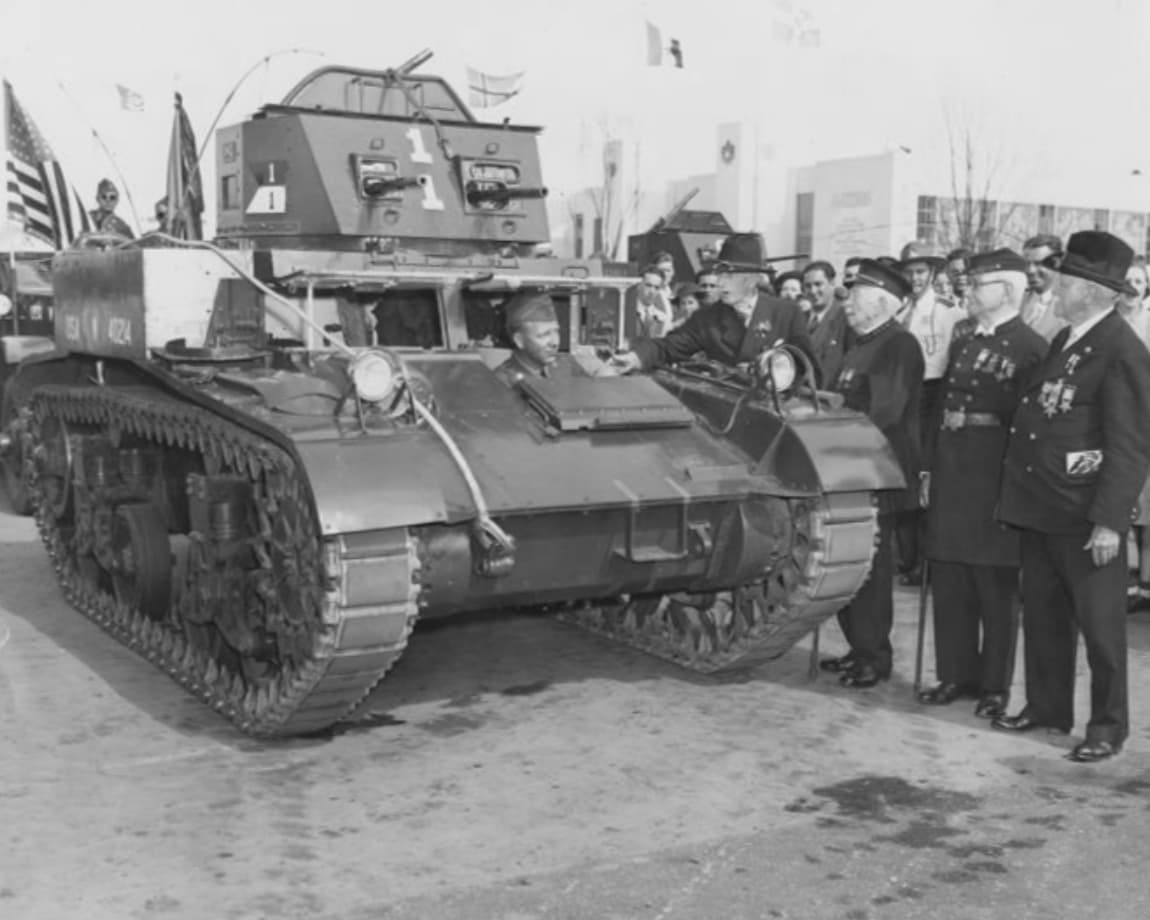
(838, 665)
(862, 676)
(945, 694)
(1022, 723)
(1137, 603)
(911, 579)
(991, 706)
(1094, 751)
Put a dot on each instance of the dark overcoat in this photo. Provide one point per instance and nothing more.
(881, 377)
(1079, 447)
(719, 332)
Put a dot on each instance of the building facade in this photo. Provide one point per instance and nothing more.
(858, 206)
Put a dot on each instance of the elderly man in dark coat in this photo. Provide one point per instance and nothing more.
(881, 376)
(973, 557)
(1078, 455)
(735, 330)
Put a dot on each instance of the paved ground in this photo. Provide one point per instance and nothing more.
(514, 768)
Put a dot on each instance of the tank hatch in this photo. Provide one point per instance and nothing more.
(605, 403)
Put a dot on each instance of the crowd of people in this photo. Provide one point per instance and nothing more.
(1014, 389)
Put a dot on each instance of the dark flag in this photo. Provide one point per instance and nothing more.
(39, 197)
(185, 189)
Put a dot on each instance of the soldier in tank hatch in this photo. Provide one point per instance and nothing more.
(881, 376)
(104, 218)
(973, 558)
(1076, 459)
(533, 327)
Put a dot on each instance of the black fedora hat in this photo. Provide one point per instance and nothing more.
(1096, 256)
(741, 252)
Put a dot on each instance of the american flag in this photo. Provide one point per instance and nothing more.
(39, 197)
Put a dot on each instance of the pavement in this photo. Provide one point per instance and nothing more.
(515, 768)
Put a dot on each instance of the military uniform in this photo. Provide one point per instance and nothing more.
(1078, 454)
(974, 558)
(882, 377)
(110, 222)
(518, 367)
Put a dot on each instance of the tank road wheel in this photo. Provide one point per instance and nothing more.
(825, 550)
(141, 560)
(16, 465)
(53, 464)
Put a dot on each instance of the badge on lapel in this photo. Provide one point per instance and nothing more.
(1083, 462)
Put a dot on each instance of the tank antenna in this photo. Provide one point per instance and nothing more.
(231, 95)
(108, 153)
(415, 62)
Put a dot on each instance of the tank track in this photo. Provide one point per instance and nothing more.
(826, 549)
(358, 593)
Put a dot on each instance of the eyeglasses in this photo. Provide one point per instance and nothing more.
(109, 196)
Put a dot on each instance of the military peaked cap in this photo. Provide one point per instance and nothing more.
(876, 274)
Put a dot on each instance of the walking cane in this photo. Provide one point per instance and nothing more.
(923, 599)
(813, 663)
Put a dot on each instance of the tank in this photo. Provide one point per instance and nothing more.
(259, 463)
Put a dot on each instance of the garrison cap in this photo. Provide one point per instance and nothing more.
(999, 260)
(530, 307)
(876, 274)
(105, 185)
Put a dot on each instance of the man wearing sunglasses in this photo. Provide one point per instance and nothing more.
(974, 559)
(104, 218)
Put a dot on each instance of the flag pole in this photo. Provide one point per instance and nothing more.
(107, 152)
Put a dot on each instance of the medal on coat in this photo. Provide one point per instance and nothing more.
(1072, 362)
(982, 360)
(846, 376)
(1050, 397)
(1066, 399)
(1006, 369)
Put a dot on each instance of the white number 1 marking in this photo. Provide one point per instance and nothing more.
(431, 201)
(419, 152)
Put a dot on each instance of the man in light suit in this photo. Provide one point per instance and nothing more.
(1077, 457)
(742, 324)
(1038, 307)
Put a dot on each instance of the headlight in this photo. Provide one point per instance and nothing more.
(779, 367)
(375, 375)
